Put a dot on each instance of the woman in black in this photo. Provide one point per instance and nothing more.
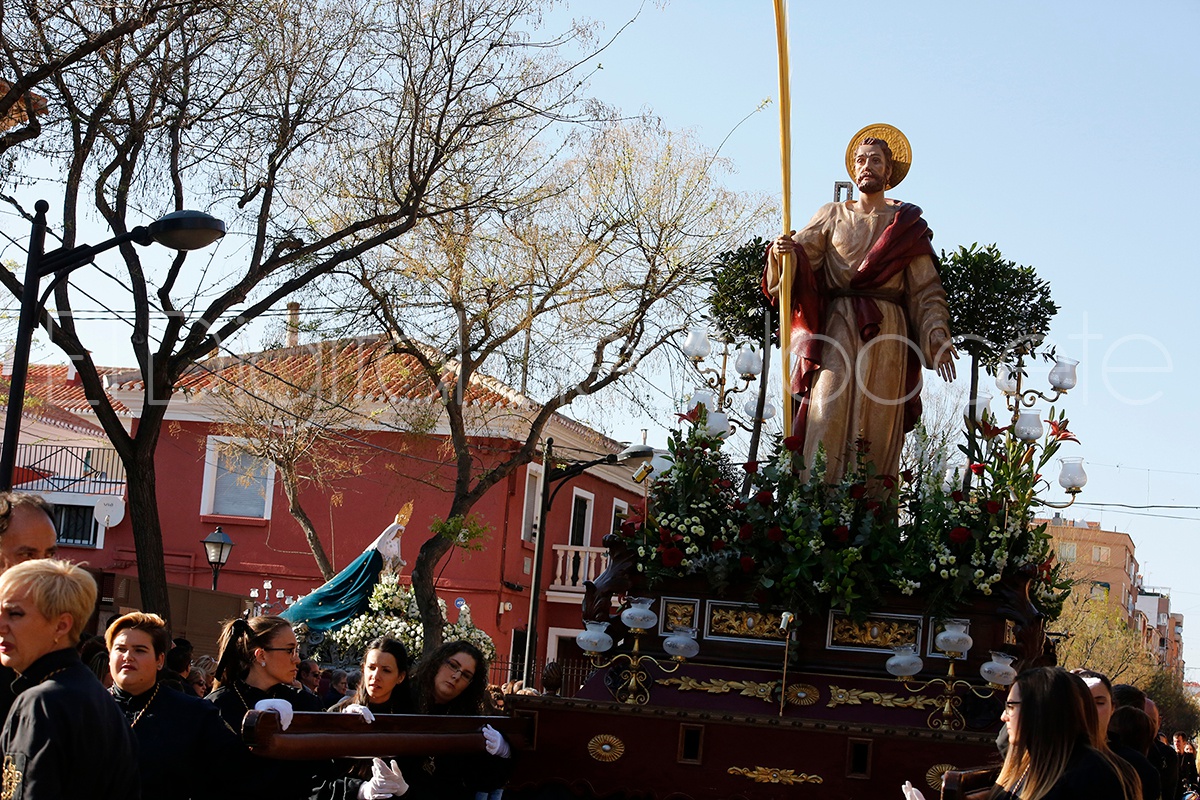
(180, 736)
(381, 690)
(255, 669)
(64, 736)
(1051, 721)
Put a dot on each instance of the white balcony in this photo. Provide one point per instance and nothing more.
(574, 564)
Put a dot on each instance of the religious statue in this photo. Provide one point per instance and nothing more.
(868, 311)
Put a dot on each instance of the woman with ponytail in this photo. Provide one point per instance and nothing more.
(1052, 754)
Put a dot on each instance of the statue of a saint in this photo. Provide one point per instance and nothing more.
(868, 311)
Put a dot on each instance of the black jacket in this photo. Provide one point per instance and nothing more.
(180, 739)
(65, 736)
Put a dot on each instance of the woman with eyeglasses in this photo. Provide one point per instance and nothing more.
(1051, 721)
(256, 666)
(451, 680)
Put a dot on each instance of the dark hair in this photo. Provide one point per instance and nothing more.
(308, 667)
(1057, 716)
(384, 644)
(882, 145)
(237, 642)
(471, 701)
(1132, 728)
(1123, 694)
(11, 501)
(179, 660)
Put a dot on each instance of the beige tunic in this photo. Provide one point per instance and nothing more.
(859, 390)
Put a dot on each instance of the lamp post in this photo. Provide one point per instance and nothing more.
(559, 475)
(217, 547)
(179, 230)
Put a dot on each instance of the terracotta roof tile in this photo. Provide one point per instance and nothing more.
(52, 399)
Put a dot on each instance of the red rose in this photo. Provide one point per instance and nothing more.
(888, 482)
(764, 497)
(726, 484)
(747, 564)
(907, 475)
(718, 545)
(858, 491)
(956, 496)
(672, 557)
(792, 443)
(750, 466)
(841, 533)
(959, 535)
(873, 505)
(977, 469)
(745, 532)
(775, 533)
(993, 506)
(739, 505)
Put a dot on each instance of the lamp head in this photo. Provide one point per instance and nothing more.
(186, 230)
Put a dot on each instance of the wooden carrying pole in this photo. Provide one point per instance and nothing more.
(787, 262)
(317, 735)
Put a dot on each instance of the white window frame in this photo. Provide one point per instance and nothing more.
(85, 501)
(1067, 552)
(533, 472)
(590, 498)
(212, 453)
(619, 507)
(1101, 554)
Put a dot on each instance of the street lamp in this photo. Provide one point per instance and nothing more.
(217, 547)
(179, 230)
(559, 475)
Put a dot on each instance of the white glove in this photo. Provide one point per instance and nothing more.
(385, 782)
(358, 708)
(494, 743)
(281, 707)
(910, 793)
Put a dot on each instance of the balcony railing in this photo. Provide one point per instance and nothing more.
(61, 468)
(574, 564)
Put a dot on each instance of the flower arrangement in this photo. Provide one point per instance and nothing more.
(811, 544)
(393, 612)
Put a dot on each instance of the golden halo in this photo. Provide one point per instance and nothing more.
(802, 694)
(605, 747)
(897, 141)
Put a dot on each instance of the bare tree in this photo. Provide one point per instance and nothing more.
(566, 295)
(319, 131)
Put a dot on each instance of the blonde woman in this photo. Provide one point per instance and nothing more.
(1050, 719)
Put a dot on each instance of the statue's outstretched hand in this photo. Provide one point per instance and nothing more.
(944, 355)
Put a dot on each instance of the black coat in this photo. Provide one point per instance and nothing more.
(65, 736)
(180, 738)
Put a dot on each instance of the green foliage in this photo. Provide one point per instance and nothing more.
(737, 305)
(1177, 708)
(994, 303)
(809, 545)
(468, 532)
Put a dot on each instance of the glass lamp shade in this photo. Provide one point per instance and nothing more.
(1072, 477)
(682, 644)
(638, 616)
(718, 424)
(1006, 380)
(1062, 374)
(974, 411)
(696, 346)
(660, 464)
(768, 412)
(748, 363)
(954, 641)
(187, 230)
(904, 663)
(999, 671)
(1029, 425)
(595, 639)
(700, 397)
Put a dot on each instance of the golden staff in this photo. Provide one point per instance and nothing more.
(787, 261)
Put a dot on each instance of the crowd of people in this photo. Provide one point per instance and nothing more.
(133, 713)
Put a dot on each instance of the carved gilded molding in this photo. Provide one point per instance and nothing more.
(605, 747)
(856, 697)
(798, 694)
(874, 632)
(679, 614)
(744, 623)
(787, 777)
(933, 776)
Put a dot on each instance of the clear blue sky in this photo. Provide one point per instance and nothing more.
(1064, 132)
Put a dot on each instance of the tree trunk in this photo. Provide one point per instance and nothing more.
(141, 484)
(301, 516)
(432, 552)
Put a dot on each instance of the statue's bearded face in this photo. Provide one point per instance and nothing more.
(871, 169)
